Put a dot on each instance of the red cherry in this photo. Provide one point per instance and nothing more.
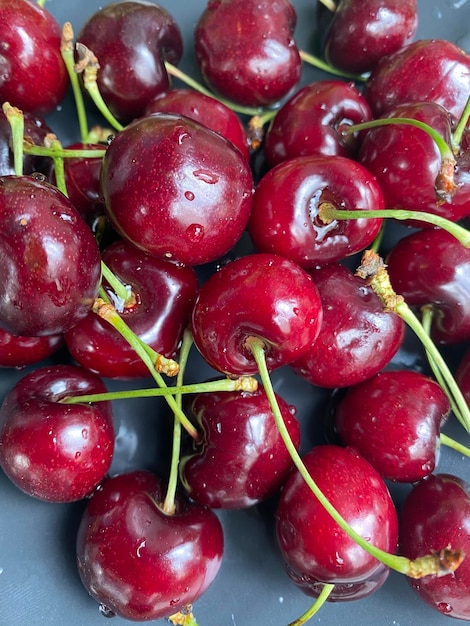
(131, 41)
(52, 451)
(434, 516)
(241, 459)
(34, 127)
(189, 200)
(314, 548)
(139, 562)
(393, 420)
(33, 74)
(19, 351)
(256, 65)
(261, 296)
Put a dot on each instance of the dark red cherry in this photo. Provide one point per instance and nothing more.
(241, 458)
(394, 421)
(36, 129)
(357, 337)
(434, 516)
(53, 451)
(205, 110)
(139, 562)
(431, 267)
(20, 351)
(50, 259)
(33, 76)
(426, 70)
(260, 296)
(162, 295)
(313, 120)
(285, 215)
(313, 547)
(362, 32)
(189, 200)
(131, 41)
(257, 64)
(462, 375)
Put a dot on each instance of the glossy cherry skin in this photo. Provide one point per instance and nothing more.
(407, 163)
(131, 41)
(52, 451)
(393, 420)
(462, 375)
(19, 351)
(426, 70)
(261, 296)
(205, 110)
(241, 459)
(163, 298)
(139, 562)
(256, 65)
(312, 122)
(435, 515)
(314, 548)
(430, 267)
(189, 200)
(50, 258)
(284, 218)
(35, 128)
(362, 32)
(357, 337)
(33, 76)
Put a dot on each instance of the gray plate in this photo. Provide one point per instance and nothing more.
(39, 583)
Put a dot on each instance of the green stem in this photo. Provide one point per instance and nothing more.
(316, 606)
(123, 292)
(194, 84)
(455, 445)
(16, 120)
(41, 3)
(64, 153)
(422, 566)
(59, 172)
(325, 67)
(329, 4)
(327, 212)
(66, 50)
(245, 383)
(460, 128)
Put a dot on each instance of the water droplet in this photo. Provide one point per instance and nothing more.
(85, 433)
(444, 607)
(174, 602)
(189, 195)
(206, 176)
(195, 232)
(105, 611)
(77, 455)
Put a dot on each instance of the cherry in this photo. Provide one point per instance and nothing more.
(36, 129)
(362, 32)
(240, 459)
(50, 258)
(19, 351)
(312, 122)
(33, 74)
(53, 451)
(131, 41)
(430, 268)
(287, 200)
(139, 562)
(314, 548)
(189, 200)
(426, 70)
(437, 513)
(205, 110)
(256, 65)
(258, 296)
(462, 375)
(161, 297)
(357, 337)
(393, 420)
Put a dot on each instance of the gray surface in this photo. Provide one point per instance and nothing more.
(39, 583)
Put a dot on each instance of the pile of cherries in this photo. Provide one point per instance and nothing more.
(233, 218)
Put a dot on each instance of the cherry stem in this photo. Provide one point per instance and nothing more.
(316, 606)
(244, 383)
(194, 84)
(122, 291)
(53, 144)
(327, 212)
(445, 561)
(455, 445)
(169, 502)
(155, 362)
(329, 4)
(184, 617)
(41, 3)
(313, 60)
(88, 65)
(67, 52)
(374, 271)
(445, 185)
(64, 153)
(16, 120)
(460, 128)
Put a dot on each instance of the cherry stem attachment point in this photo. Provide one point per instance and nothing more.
(316, 606)
(16, 120)
(123, 292)
(445, 561)
(184, 617)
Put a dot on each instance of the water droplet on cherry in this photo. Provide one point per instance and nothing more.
(206, 176)
(444, 607)
(195, 232)
(189, 195)
(105, 611)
